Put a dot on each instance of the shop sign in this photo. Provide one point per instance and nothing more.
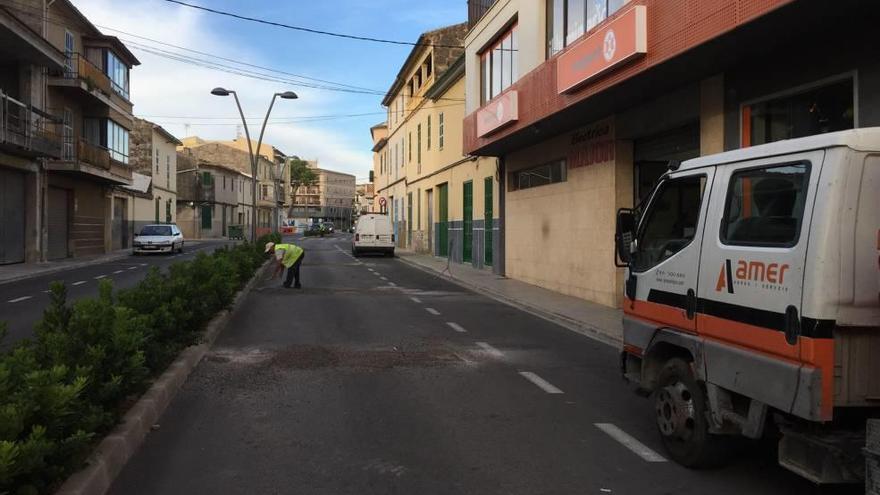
(623, 39)
(498, 113)
(592, 144)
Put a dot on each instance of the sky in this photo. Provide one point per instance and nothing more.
(173, 94)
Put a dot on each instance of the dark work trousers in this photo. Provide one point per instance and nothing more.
(293, 272)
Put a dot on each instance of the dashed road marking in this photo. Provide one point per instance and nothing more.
(99, 277)
(382, 278)
(117, 272)
(540, 382)
(392, 284)
(432, 311)
(630, 442)
(416, 300)
(455, 326)
(491, 350)
(79, 283)
(19, 299)
(132, 268)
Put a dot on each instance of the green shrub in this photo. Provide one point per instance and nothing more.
(62, 390)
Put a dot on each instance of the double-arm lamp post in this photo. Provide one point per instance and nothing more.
(287, 95)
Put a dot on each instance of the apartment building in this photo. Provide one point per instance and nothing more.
(586, 103)
(330, 199)
(235, 155)
(211, 196)
(441, 200)
(68, 127)
(364, 194)
(153, 191)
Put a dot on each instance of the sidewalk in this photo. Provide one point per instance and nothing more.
(593, 320)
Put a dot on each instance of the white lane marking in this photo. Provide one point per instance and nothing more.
(377, 274)
(540, 382)
(132, 268)
(47, 292)
(143, 264)
(491, 350)
(19, 299)
(99, 277)
(117, 272)
(631, 443)
(79, 283)
(392, 284)
(455, 326)
(416, 300)
(432, 311)
(382, 278)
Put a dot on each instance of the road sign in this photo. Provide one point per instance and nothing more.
(382, 202)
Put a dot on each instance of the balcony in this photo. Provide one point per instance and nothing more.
(82, 74)
(83, 157)
(476, 9)
(27, 130)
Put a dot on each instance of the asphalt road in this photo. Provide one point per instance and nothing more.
(22, 302)
(379, 378)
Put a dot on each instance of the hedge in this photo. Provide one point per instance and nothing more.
(70, 384)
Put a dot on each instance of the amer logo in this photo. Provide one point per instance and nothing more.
(750, 271)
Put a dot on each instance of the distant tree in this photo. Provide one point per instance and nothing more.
(300, 176)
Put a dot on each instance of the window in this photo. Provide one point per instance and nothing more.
(168, 172)
(69, 51)
(168, 211)
(569, 20)
(428, 135)
(67, 135)
(827, 108)
(409, 154)
(542, 175)
(117, 141)
(419, 146)
(207, 179)
(671, 221)
(207, 214)
(429, 66)
(157, 161)
(117, 71)
(440, 125)
(765, 206)
(499, 65)
(157, 210)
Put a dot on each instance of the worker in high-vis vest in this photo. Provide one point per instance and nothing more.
(288, 256)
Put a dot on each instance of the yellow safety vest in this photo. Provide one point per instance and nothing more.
(292, 253)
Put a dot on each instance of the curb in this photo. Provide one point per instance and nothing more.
(74, 266)
(114, 451)
(585, 329)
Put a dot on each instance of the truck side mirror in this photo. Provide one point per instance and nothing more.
(625, 233)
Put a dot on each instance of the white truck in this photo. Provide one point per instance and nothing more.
(752, 302)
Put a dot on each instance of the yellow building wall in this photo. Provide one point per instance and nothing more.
(561, 236)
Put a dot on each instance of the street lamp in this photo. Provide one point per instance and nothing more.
(287, 95)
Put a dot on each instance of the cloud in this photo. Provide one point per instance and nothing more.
(163, 89)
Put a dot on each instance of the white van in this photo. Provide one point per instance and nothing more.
(752, 301)
(373, 234)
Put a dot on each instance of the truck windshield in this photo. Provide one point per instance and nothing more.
(670, 221)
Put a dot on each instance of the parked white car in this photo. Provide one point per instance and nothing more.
(373, 234)
(165, 238)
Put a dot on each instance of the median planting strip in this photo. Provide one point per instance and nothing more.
(151, 337)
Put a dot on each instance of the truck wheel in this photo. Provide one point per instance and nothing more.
(680, 408)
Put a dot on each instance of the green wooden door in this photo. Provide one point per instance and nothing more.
(467, 237)
(443, 221)
(488, 222)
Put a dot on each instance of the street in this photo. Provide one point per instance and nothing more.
(22, 302)
(379, 378)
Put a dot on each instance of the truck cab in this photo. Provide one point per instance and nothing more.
(752, 301)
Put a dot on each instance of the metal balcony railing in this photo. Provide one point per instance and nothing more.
(28, 128)
(476, 9)
(81, 68)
